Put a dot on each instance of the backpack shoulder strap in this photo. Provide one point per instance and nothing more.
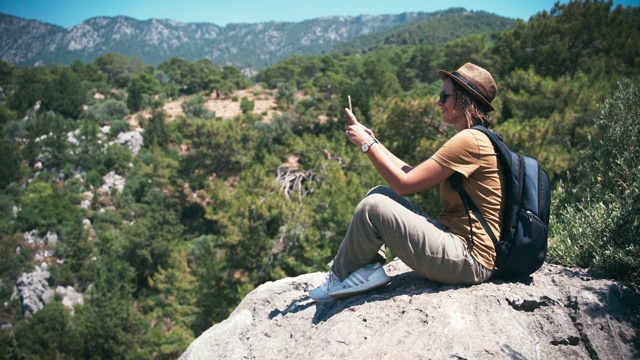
(499, 146)
(456, 182)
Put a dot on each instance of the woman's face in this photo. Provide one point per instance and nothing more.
(451, 109)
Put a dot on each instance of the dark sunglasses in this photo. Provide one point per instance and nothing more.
(443, 96)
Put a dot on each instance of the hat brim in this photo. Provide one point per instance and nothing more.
(445, 74)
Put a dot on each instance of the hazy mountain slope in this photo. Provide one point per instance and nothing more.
(247, 46)
(436, 29)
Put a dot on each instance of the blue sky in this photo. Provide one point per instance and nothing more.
(68, 13)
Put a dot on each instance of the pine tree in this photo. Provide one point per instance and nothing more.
(107, 323)
(173, 308)
(65, 94)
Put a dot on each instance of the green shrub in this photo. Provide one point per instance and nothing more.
(194, 108)
(94, 178)
(15, 129)
(48, 334)
(246, 105)
(274, 131)
(46, 207)
(9, 162)
(107, 111)
(601, 228)
(286, 95)
(117, 127)
(117, 158)
(6, 114)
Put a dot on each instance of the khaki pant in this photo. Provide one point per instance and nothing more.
(386, 218)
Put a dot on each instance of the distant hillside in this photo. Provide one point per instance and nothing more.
(247, 46)
(435, 29)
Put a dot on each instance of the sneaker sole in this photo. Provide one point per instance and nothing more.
(322, 300)
(357, 290)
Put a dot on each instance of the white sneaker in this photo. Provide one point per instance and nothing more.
(367, 278)
(321, 293)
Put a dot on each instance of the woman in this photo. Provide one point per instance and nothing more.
(441, 250)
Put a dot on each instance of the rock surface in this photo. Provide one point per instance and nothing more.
(132, 139)
(558, 313)
(35, 291)
(111, 180)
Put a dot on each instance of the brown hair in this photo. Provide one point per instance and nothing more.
(474, 111)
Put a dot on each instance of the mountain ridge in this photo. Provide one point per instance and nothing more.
(244, 45)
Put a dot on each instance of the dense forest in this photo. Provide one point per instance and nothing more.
(211, 206)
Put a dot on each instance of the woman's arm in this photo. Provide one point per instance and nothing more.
(397, 162)
(402, 178)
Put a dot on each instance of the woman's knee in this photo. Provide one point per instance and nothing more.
(374, 205)
(383, 190)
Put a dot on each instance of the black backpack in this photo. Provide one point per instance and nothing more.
(522, 247)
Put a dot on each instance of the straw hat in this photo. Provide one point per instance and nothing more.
(476, 80)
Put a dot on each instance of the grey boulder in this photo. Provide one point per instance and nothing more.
(557, 313)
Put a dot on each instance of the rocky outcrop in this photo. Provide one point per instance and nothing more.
(558, 313)
(131, 139)
(35, 291)
(43, 246)
(111, 180)
(34, 288)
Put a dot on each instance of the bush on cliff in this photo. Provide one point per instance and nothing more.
(597, 224)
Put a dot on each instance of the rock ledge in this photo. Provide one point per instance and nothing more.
(556, 313)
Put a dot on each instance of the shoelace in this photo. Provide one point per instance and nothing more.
(331, 281)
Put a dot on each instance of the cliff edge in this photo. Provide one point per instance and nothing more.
(556, 313)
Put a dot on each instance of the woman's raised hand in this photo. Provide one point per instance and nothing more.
(357, 133)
